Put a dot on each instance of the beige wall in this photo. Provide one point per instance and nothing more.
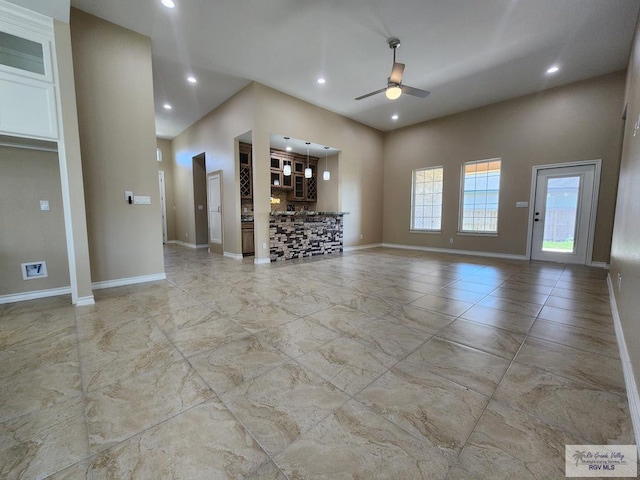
(166, 166)
(357, 188)
(29, 234)
(114, 89)
(328, 190)
(576, 122)
(214, 135)
(360, 163)
(625, 252)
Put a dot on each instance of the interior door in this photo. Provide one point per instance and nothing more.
(215, 212)
(163, 205)
(564, 208)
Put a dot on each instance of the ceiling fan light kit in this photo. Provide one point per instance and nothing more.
(394, 87)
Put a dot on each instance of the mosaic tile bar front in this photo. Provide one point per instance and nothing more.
(305, 235)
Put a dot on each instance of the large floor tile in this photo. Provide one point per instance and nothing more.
(596, 370)
(258, 318)
(420, 319)
(298, 336)
(282, 404)
(43, 442)
(237, 362)
(501, 343)
(354, 442)
(580, 338)
(111, 353)
(126, 408)
(206, 336)
(184, 318)
(513, 306)
(588, 320)
(568, 404)
(205, 442)
(347, 364)
(464, 365)
(508, 443)
(514, 322)
(443, 413)
(442, 305)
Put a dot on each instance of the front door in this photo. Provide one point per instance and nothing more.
(564, 209)
(215, 212)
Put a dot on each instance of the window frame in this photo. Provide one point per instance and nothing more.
(485, 233)
(412, 227)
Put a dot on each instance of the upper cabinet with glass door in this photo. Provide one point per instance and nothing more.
(28, 105)
(29, 57)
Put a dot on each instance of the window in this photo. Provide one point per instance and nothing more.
(480, 193)
(426, 207)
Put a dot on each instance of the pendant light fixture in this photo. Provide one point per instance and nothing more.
(307, 171)
(326, 175)
(286, 168)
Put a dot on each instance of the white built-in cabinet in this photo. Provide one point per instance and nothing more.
(27, 85)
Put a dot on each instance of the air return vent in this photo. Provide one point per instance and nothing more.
(33, 270)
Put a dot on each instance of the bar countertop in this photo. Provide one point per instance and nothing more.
(303, 213)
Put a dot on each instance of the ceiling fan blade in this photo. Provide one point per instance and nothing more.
(396, 73)
(416, 92)
(372, 93)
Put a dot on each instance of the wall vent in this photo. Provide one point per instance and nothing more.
(33, 270)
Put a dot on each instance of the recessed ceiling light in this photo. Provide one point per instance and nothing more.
(321, 81)
(552, 70)
(168, 3)
(289, 148)
(167, 106)
(192, 79)
(394, 117)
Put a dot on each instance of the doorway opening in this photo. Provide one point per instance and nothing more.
(200, 201)
(564, 201)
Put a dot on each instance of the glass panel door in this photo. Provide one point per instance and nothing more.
(560, 215)
(563, 212)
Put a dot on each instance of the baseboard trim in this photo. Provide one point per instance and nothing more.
(85, 301)
(599, 265)
(633, 395)
(361, 247)
(23, 297)
(261, 261)
(235, 256)
(120, 282)
(189, 245)
(508, 256)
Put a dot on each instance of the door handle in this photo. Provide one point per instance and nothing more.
(218, 208)
(536, 219)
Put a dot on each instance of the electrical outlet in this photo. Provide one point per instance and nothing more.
(619, 282)
(361, 236)
(186, 234)
(451, 240)
(264, 245)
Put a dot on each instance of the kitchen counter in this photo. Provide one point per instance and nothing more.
(306, 213)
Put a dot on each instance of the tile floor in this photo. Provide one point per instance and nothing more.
(378, 364)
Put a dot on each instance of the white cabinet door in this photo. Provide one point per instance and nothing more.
(27, 108)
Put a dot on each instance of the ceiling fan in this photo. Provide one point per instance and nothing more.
(394, 87)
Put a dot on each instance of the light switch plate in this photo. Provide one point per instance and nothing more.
(142, 200)
(44, 205)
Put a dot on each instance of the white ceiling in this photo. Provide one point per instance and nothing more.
(467, 53)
